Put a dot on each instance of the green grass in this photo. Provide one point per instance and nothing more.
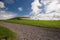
(5, 32)
(38, 23)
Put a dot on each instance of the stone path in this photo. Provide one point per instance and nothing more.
(25, 32)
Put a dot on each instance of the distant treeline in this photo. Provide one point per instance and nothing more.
(19, 18)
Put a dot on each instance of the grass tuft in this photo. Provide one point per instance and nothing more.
(6, 33)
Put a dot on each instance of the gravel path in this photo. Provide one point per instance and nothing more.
(25, 32)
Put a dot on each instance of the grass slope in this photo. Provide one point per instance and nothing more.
(39, 23)
(5, 32)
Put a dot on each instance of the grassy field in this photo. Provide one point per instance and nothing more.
(38, 23)
(5, 33)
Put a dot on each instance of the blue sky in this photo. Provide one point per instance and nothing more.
(34, 9)
(13, 6)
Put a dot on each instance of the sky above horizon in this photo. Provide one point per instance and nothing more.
(35, 9)
(20, 7)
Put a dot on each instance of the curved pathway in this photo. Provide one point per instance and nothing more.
(25, 32)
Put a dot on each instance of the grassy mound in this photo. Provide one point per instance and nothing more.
(6, 34)
(39, 23)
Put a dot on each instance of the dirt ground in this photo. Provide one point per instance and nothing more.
(25, 32)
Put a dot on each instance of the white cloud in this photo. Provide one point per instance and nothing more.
(2, 5)
(5, 14)
(20, 9)
(52, 9)
(53, 6)
(46, 16)
(35, 8)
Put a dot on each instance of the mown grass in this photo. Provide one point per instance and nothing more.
(6, 33)
(38, 23)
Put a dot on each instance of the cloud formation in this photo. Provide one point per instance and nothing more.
(51, 8)
(5, 14)
(35, 6)
(20, 9)
(2, 5)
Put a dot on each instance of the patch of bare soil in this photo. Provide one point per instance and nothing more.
(25, 32)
